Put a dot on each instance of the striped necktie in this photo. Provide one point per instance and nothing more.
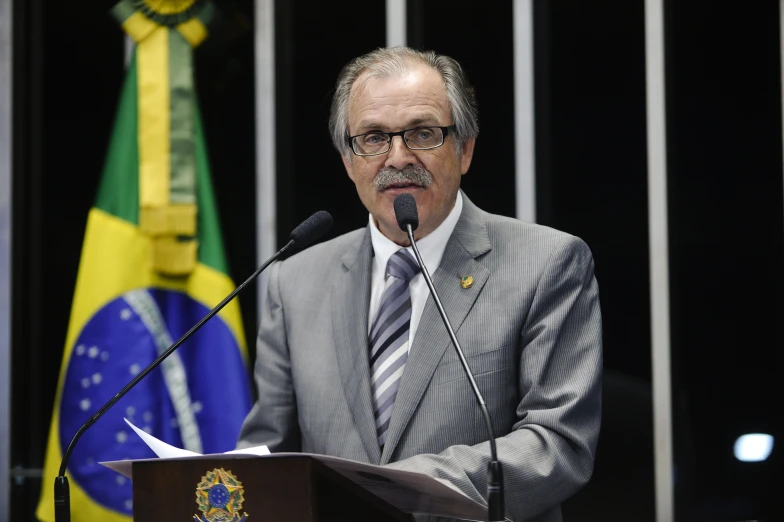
(389, 338)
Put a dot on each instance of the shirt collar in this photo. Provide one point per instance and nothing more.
(431, 247)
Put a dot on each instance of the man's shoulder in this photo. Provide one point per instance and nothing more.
(505, 230)
(324, 255)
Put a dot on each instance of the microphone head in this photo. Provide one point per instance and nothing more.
(311, 229)
(406, 212)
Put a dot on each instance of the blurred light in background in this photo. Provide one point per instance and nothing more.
(753, 447)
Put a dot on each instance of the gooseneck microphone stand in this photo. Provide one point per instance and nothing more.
(408, 221)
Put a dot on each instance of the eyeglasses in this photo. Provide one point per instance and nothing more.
(419, 138)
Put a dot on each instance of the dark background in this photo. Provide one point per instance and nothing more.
(725, 198)
(726, 252)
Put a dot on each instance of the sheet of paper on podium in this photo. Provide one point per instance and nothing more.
(167, 451)
(411, 492)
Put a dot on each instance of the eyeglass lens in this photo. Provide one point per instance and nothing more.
(416, 139)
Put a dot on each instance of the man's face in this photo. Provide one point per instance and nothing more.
(414, 99)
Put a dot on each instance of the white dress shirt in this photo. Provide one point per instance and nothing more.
(431, 247)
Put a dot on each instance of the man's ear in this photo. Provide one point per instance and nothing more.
(467, 155)
(347, 164)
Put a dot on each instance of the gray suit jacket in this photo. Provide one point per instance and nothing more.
(530, 327)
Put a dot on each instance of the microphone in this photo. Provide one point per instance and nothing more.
(408, 221)
(311, 229)
(307, 232)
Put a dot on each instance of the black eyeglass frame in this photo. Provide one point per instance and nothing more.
(444, 130)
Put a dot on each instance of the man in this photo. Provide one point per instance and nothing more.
(353, 358)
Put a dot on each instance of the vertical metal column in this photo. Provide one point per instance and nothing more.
(266, 221)
(659, 257)
(5, 253)
(781, 59)
(525, 164)
(396, 23)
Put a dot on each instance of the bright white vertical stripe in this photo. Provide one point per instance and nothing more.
(659, 257)
(5, 254)
(396, 23)
(781, 59)
(525, 167)
(266, 221)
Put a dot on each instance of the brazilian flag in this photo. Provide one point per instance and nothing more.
(152, 265)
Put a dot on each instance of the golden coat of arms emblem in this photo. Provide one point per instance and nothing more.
(219, 496)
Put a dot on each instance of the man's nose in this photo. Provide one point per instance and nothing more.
(399, 155)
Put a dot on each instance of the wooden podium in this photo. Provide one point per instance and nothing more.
(287, 488)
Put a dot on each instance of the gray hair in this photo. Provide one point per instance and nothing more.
(395, 61)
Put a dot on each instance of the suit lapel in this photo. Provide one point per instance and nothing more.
(469, 240)
(350, 304)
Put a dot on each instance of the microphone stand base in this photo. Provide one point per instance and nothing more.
(62, 500)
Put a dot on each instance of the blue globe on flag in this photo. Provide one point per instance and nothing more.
(195, 400)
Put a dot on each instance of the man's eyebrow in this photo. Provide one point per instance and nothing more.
(426, 120)
(369, 126)
(416, 122)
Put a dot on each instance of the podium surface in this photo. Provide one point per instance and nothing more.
(286, 487)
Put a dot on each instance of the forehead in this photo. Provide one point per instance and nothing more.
(394, 100)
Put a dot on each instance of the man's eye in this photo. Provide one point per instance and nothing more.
(374, 139)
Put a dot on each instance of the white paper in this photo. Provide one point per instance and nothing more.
(167, 451)
(124, 467)
(163, 450)
(253, 450)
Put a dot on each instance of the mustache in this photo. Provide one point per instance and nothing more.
(413, 174)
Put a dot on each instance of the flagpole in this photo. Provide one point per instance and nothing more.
(5, 253)
(266, 221)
